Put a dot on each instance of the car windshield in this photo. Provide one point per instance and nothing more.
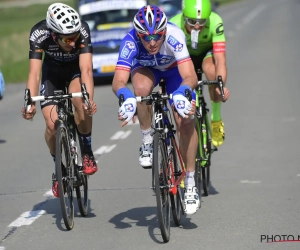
(170, 7)
(95, 20)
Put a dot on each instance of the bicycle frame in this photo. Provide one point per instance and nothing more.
(164, 126)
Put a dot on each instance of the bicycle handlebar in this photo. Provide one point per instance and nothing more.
(218, 82)
(29, 99)
(152, 97)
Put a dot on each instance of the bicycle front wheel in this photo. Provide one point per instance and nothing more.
(176, 199)
(160, 164)
(63, 175)
(82, 179)
(206, 149)
(198, 174)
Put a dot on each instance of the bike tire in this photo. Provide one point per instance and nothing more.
(63, 173)
(82, 179)
(161, 186)
(176, 199)
(206, 168)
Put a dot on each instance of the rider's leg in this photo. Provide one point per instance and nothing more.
(84, 124)
(143, 82)
(188, 141)
(218, 133)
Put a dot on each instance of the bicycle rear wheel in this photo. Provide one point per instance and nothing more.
(160, 164)
(206, 149)
(63, 166)
(175, 172)
(82, 179)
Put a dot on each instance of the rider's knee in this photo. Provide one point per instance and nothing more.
(186, 126)
(50, 127)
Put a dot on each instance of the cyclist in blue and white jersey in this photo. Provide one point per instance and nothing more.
(155, 50)
(2, 85)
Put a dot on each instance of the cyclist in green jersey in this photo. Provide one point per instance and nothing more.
(206, 43)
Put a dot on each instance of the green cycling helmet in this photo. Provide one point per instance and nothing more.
(196, 9)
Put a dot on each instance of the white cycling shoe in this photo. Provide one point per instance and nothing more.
(191, 200)
(145, 158)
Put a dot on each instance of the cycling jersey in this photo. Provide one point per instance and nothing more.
(173, 51)
(2, 85)
(41, 41)
(163, 65)
(211, 37)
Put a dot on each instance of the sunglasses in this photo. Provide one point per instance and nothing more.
(149, 38)
(69, 40)
(193, 22)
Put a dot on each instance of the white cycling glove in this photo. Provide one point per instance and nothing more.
(182, 105)
(128, 108)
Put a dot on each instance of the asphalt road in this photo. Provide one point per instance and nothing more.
(255, 174)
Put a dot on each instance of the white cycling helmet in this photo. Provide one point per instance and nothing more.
(62, 19)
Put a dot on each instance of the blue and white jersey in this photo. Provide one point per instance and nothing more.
(172, 52)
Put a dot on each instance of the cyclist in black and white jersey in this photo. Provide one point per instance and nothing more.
(65, 42)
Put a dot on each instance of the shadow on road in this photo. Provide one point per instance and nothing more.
(146, 217)
(52, 206)
(2, 141)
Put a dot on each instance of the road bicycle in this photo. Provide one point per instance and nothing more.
(68, 157)
(168, 169)
(203, 127)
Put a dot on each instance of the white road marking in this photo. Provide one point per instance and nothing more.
(27, 218)
(250, 182)
(254, 13)
(120, 135)
(104, 149)
(2, 248)
(48, 193)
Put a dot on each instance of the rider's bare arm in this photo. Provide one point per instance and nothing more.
(86, 69)
(220, 62)
(120, 79)
(188, 74)
(34, 76)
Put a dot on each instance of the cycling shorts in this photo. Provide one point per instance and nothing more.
(171, 77)
(57, 77)
(197, 60)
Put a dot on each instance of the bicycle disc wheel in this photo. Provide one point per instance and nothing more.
(161, 186)
(63, 174)
(82, 180)
(174, 172)
(207, 154)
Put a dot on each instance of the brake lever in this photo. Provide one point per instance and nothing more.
(121, 100)
(27, 102)
(86, 96)
(221, 86)
(188, 95)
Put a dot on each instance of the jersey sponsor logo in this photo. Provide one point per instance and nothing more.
(180, 104)
(127, 49)
(175, 44)
(39, 34)
(219, 47)
(158, 61)
(84, 32)
(129, 107)
(220, 29)
(64, 57)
